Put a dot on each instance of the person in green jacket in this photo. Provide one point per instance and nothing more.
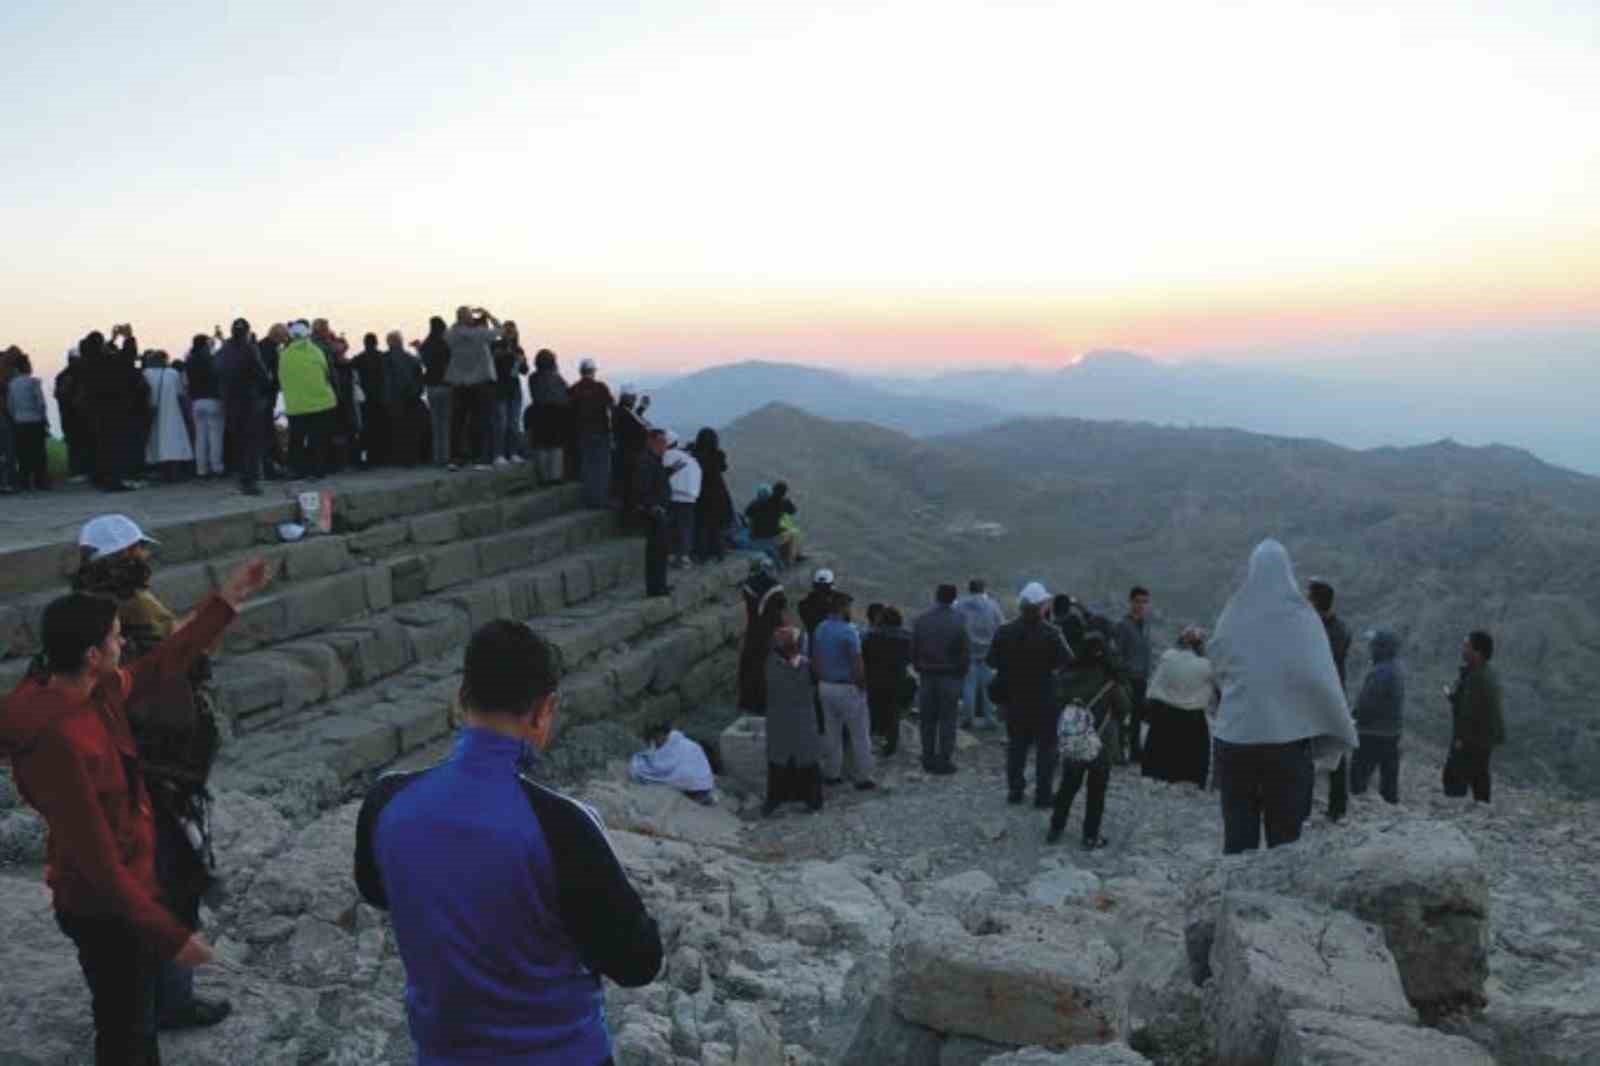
(309, 400)
(1478, 723)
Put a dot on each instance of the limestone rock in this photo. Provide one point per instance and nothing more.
(1093, 1055)
(1557, 1024)
(656, 810)
(1057, 886)
(1318, 1038)
(1273, 954)
(743, 746)
(1008, 976)
(21, 837)
(963, 887)
(1421, 881)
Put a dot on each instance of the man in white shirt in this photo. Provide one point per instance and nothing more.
(684, 476)
(984, 619)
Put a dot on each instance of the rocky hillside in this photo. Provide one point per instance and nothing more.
(1433, 540)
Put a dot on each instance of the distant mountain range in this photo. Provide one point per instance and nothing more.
(719, 395)
(1119, 385)
(1432, 540)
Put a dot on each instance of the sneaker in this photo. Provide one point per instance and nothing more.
(482, 466)
(1094, 843)
(518, 459)
(944, 769)
(501, 461)
(453, 467)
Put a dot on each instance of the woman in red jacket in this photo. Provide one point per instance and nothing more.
(67, 735)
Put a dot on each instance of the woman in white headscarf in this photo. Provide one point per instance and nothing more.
(168, 445)
(1282, 710)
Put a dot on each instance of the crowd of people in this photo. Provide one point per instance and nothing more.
(111, 737)
(1255, 711)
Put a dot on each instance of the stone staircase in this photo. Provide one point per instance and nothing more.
(351, 659)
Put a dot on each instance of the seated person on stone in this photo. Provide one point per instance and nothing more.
(507, 902)
(674, 760)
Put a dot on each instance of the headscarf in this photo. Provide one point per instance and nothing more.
(1272, 660)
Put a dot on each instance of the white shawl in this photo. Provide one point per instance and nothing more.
(169, 435)
(678, 763)
(1273, 663)
(1183, 680)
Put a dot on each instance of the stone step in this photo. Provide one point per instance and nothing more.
(180, 587)
(306, 607)
(194, 524)
(653, 656)
(258, 689)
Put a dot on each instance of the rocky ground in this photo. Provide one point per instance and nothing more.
(826, 938)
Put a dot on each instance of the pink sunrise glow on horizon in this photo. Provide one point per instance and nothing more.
(896, 186)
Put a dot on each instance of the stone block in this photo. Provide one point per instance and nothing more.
(659, 707)
(1008, 976)
(416, 722)
(247, 685)
(379, 540)
(675, 654)
(588, 699)
(479, 520)
(381, 648)
(408, 578)
(361, 508)
(451, 564)
(632, 673)
(1420, 880)
(326, 602)
(438, 631)
(743, 746)
(1320, 1038)
(223, 533)
(577, 583)
(711, 679)
(262, 621)
(1553, 1024)
(1091, 1055)
(46, 567)
(321, 660)
(380, 587)
(438, 527)
(606, 567)
(508, 551)
(482, 603)
(545, 595)
(316, 557)
(578, 641)
(1273, 954)
(351, 746)
(182, 588)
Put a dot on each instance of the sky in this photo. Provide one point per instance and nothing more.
(1367, 189)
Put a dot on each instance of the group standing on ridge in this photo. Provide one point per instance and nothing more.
(112, 735)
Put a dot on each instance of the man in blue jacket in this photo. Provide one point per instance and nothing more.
(507, 901)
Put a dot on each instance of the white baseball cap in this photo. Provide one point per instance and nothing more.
(108, 534)
(822, 577)
(1033, 594)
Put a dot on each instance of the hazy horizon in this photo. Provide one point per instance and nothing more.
(1404, 196)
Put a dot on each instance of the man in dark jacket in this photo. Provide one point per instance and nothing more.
(247, 395)
(1478, 723)
(1378, 713)
(372, 371)
(942, 654)
(1025, 656)
(1133, 647)
(886, 650)
(508, 903)
(654, 494)
(116, 404)
(1320, 593)
(591, 418)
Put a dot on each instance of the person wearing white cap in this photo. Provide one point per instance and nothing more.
(591, 414)
(1026, 654)
(685, 479)
(66, 732)
(176, 733)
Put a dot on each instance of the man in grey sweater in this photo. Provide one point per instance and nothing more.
(942, 654)
(471, 376)
(1379, 712)
(1133, 646)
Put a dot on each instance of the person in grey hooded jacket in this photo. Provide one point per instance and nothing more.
(1379, 712)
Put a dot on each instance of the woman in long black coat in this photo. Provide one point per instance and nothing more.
(713, 511)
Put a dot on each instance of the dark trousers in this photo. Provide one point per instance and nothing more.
(1036, 729)
(1382, 754)
(472, 420)
(594, 468)
(1339, 789)
(938, 703)
(1467, 767)
(655, 555)
(114, 449)
(122, 974)
(310, 437)
(1136, 716)
(32, 473)
(682, 529)
(246, 434)
(1072, 777)
(707, 535)
(1262, 783)
(883, 710)
(375, 433)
